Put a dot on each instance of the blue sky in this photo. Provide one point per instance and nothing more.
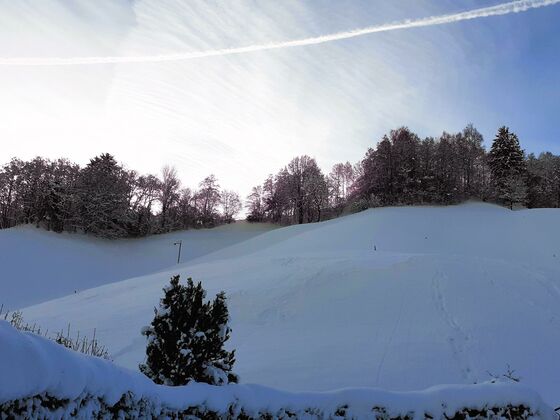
(244, 116)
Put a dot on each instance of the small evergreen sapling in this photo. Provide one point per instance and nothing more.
(186, 338)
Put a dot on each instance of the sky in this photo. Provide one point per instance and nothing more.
(244, 116)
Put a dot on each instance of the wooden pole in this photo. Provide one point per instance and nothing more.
(180, 243)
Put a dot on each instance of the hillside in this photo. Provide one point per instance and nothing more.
(38, 265)
(450, 294)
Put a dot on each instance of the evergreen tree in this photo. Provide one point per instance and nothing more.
(103, 192)
(186, 338)
(53, 205)
(508, 167)
(543, 180)
(378, 175)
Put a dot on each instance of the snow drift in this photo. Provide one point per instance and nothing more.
(33, 366)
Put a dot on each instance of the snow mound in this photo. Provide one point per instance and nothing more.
(33, 366)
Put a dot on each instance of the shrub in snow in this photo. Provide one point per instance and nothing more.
(186, 338)
(509, 375)
(132, 407)
(82, 344)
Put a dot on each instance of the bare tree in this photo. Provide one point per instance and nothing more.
(168, 195)
(255, 205)
(302, 172)
(145, 192)
(187, 213)
(340, 181)
(207, 199)
(231, 205)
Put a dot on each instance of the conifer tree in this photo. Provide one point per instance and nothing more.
(102, 198)
(508, 167)
(186, 338)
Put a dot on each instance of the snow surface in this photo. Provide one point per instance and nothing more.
(38, 265)
(451, 294)
(33, 365)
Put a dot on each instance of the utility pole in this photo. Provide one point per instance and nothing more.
(180, 243)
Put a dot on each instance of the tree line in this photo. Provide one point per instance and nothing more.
(406, 170)
(105, 199)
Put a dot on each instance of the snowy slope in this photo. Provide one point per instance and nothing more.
(450, 294)
(37, 265)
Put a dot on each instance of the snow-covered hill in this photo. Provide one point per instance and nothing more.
(37, 265)
(449, 294)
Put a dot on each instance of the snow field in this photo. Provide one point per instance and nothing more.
(451, 295)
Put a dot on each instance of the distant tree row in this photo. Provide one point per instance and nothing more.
(105, 199)
(406, 170)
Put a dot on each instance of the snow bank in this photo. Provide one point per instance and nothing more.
(32, 366)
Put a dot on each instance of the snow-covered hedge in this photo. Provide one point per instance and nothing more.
(39, 378)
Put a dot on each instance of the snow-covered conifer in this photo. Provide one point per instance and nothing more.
(103, 192)
(186, 338)
(507, 164)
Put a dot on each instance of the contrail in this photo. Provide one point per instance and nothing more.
(500, 9)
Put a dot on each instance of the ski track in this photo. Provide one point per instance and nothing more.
(390, 342)
(549, 285)
(544, 281)
(458, 339)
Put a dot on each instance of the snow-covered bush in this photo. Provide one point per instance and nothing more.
(186, 338)
(130, 407)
